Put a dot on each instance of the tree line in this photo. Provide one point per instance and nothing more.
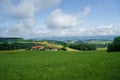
(15, 46)
(84, 47)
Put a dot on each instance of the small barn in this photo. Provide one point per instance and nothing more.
(52, 48)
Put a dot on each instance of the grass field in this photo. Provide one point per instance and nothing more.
(61, 65)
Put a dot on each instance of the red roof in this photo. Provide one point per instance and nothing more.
(38, 47)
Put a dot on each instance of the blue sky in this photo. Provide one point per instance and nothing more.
(46, 18)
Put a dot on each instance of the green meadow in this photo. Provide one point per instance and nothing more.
(59, 65)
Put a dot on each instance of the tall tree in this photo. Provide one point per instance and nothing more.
(115, 46)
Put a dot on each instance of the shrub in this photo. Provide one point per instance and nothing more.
(64, 49)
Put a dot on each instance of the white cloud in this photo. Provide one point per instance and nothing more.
(21, 29)
(104, 30)
(26, 8)
(86, 11)
(61, 20)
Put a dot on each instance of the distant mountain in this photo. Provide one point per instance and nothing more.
(77, 38)
(65, 38)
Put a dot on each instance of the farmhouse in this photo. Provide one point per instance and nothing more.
(52, 48)
(38, 48)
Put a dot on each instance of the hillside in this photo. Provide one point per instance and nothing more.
(56, 45)
(11, 39)
(20, 43)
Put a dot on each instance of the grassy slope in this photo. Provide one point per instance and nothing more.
(37, 65)
(98, 42)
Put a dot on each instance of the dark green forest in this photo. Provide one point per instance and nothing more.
(84, 47)
(115, 46)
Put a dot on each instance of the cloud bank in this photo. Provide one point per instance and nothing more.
(57, 23)
(26, 8)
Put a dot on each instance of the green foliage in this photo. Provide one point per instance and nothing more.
(65, 44)
(64, 49)
(58, 42)
(15, 46)
(12, 40)
(61, 65)
(84, 47)
(115, 46)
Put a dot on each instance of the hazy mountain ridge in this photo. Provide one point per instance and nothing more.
(77, 38)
